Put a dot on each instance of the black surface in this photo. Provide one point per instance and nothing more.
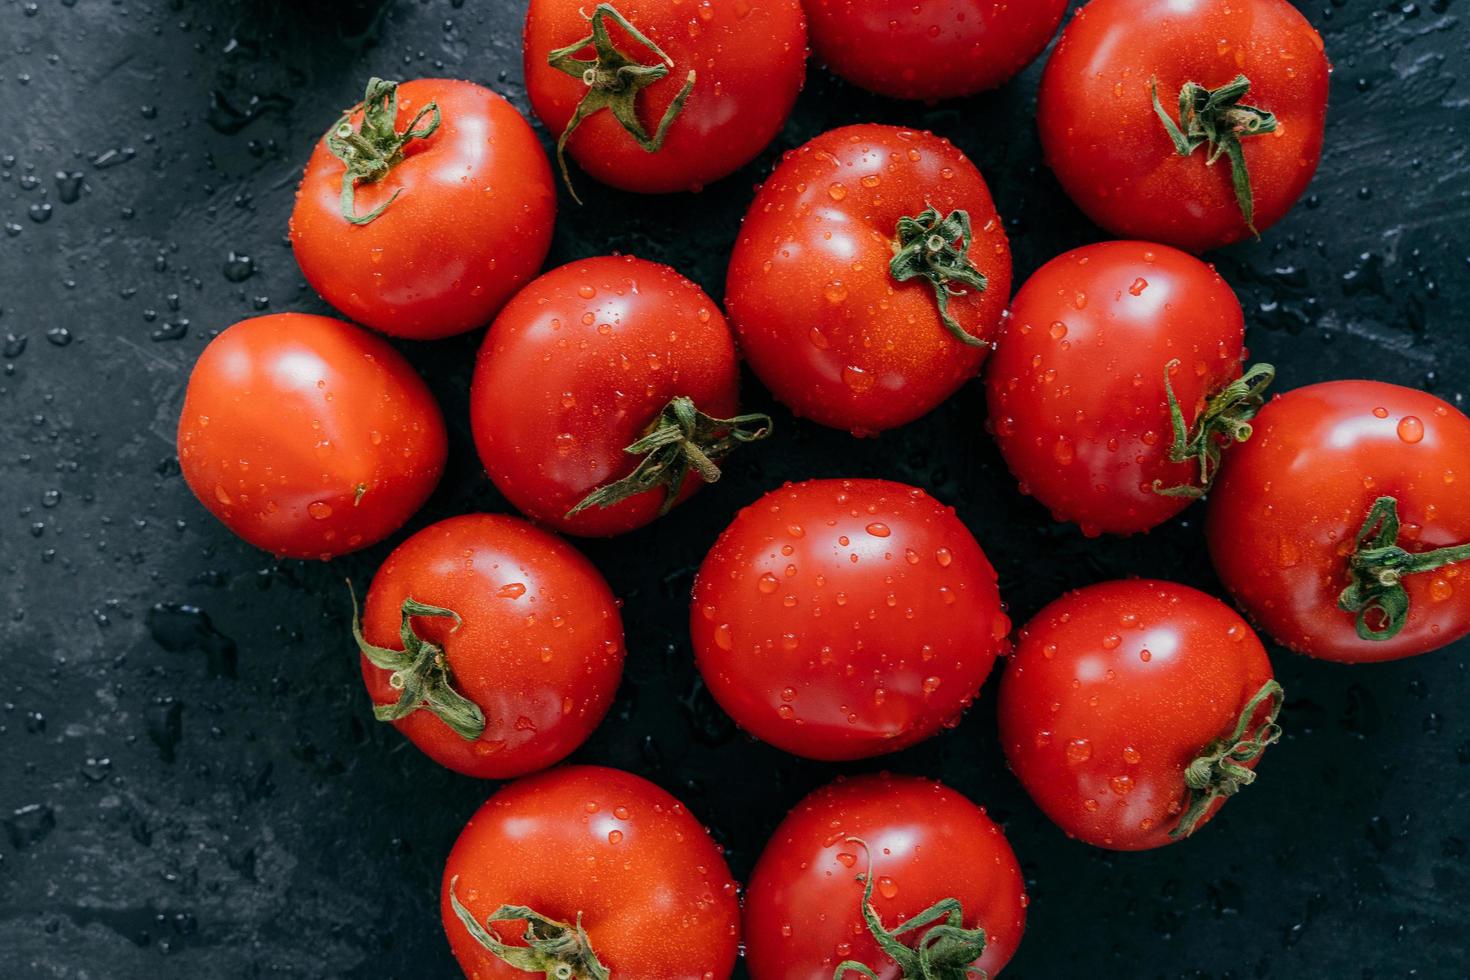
(191, 783)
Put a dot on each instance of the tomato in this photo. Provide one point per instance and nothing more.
(934, 50)
(1252, 75)
(870, 276)
(603, 395)
(841, 619)
(925, 847)
(451, 203)
(663, 95)
(514, 645)
(1132, 710)
(307, 436)
(1118, 382)
(1343, 527)
(613, 875)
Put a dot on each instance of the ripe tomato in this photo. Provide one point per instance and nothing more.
(936, 859)
(308, 437)
(692, 91)
(1343, 527)
(587, 873)
(841, 619)
(1131, 710)
(931, 50)
(859, 296)
(1231, 160)
(1118, 382)
(603, 395)
(508, 640)
(422, 213)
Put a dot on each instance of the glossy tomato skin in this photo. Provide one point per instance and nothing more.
(307, 436)
(539, 649)
(1112, 691)
(820, 318)
(1112, 154)
(926, 842)
(1290, 503)
(934, 50)
(842, 619)
(1076, 386)
(750, 63)
(653, 890)
(471, 225)
(574, 371)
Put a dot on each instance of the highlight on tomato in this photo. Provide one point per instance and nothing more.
(424, 208)
(1343, 527)
(308, 437)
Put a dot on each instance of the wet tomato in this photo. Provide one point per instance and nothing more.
(870, 277)
(1118, 382)
(841, 619)
(308, 437)
(494, 646)
(424, 209)
(1343, 527)
(604, 394)
(589, 873)
(1132, 710)
(1190, 122)
(912, 851)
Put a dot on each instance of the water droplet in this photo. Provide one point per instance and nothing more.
(319, 510)
(1079, 750)
(1411, 429)
(878, 530)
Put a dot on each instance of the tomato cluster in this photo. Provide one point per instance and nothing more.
(835, 619)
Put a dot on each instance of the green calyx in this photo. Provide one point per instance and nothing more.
(613, 82)
(1225, 420)
(1217, 772)
(681, 438)
(420, 673)
(945, 951)
(556, 950)
(376, 146)
(937, 249)
(1378, 566)
(1218, 120)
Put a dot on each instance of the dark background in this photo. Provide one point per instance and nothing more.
(191, 782)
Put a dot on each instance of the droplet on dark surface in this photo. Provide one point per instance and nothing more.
(183, 628)
(29, 825)
(164, 719)
(239, 267)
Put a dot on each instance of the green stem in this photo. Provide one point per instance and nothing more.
(1217, 772)
(1225, 420)
(937, 249)
(556, 950)
(1378, 566)
(370, 152)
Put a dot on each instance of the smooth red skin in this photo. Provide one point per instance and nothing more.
(472, 225)
(566, 381)
(809, 290)
(749, 57)
(659, 904)
(939, 49)
(289, 411)
(820, 636)
(1078, 683)
(927, 843)
(1083, 418)
(1289, 504)
(540, 648)
(1112, 154)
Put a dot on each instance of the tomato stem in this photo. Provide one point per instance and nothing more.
(558, 950)
(1378, 566)
(1217, 772)
(937, 249)
(1225, 420)
(369, 152)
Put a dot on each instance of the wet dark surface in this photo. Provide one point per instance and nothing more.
(191, 783)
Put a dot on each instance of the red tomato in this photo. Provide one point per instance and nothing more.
(1343, 527)
(934, 50)
(308, 437)
(454, 206)
(921, 844)
(1131, 710)
(663, 95)
(620, 879)
(1080, 386)
(842, 619)
(838, 326)
(515, 645)
(1117, 157)
(611, 376)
